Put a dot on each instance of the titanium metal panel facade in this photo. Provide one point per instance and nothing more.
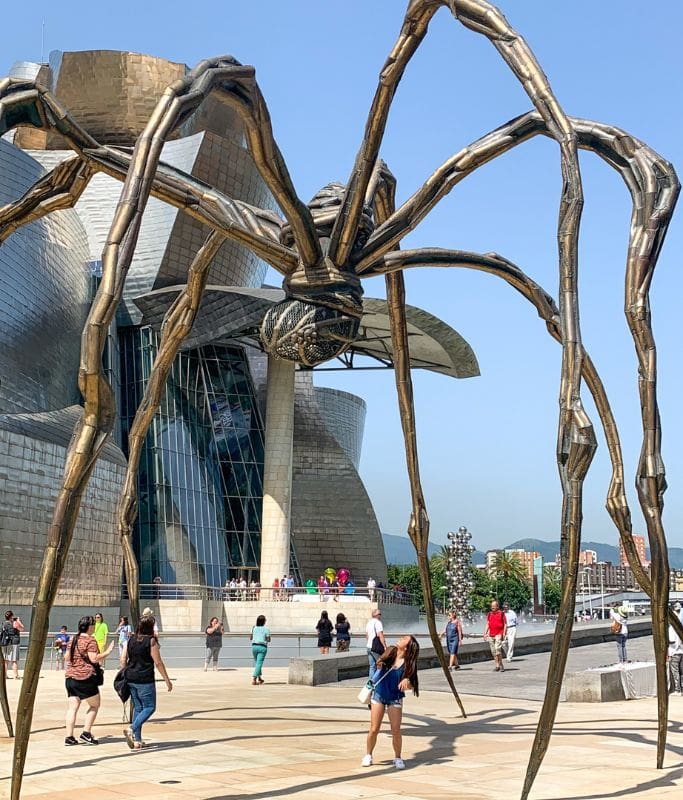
(44, 299)
(32, 451)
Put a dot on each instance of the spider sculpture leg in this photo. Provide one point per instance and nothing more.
(381, 195)
(4, 702)
(180, 100)
(654, 188)
(176, 326)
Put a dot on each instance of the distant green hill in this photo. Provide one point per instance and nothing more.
(399, 550)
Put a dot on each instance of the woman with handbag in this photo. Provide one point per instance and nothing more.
(140, 656)
(83, 678)
(619, 628)
(396, 673)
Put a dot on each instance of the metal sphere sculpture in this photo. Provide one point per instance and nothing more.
(459, 572)
(324, 250)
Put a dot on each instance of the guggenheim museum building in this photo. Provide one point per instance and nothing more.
(230, 422)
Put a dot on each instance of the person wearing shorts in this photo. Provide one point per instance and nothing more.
(396, 673)
(494, 633)
(80, 680)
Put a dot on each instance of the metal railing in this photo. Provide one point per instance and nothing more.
(177, 591)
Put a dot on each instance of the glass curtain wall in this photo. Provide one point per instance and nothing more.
(200, 483)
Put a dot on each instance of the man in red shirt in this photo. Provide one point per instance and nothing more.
(494, 633)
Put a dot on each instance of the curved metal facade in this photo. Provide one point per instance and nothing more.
(44, 299)
(344, 416)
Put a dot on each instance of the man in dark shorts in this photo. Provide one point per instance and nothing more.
(494, 633)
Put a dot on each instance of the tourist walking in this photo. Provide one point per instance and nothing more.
(510, 631)
(82, 680)
(61, 642)
(375, 643)
(396, 672)
(147, 612)
(675, 654)
(494, 633)
(325, 629)
(10, 638)
(260, 638)
(214, 641)
(619, 628)
(124, 630)
(101, 632)
(342, 630)
(453, 634)
(140, 656)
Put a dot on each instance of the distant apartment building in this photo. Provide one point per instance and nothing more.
(586, 557)
(605, 576)
(639, 542)
(527, 559)
(491, 556)
(676, 580)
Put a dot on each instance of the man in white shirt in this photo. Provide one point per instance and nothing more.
(371, 589)
(374, 629)
(511, 620)
(675, 661)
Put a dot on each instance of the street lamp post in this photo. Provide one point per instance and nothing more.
(602, 591)
(586, 572)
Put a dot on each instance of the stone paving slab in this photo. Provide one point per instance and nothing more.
(216, 737)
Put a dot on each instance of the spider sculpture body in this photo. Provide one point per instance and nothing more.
(324, 250)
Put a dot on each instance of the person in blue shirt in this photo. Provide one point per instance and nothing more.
(396, 672)
(62, 640)
(260, 638)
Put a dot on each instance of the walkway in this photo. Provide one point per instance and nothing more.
(216, 737)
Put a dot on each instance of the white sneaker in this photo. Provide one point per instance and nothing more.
(399, 763)
(367, 761)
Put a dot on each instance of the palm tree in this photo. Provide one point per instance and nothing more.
(508, 565)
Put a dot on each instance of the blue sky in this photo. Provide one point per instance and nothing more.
(487, 444)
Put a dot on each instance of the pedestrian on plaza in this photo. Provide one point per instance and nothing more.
(396, 673)
(494, 633)
(140, 656)
(375, 643)
(619, 628)
(276, 589)
(101, 632)
(322, 583)
(511, 631)
(147, 612)
(325, 629)
(453, 634)
(61, 642)
(675, 656)
(10, 637)
(260, 638)
(342, 631)
(81, 681)
(124, 630)
(214, 641)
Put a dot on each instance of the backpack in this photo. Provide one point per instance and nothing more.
(6, 634)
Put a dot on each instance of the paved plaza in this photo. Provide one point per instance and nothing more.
(216, 737)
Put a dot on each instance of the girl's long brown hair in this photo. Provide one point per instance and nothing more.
(388, 659)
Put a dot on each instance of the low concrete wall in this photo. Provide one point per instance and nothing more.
(335, 667)
(182, 615)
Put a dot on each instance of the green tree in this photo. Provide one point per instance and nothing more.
(482, 594)
(552, 589)
(510, 582)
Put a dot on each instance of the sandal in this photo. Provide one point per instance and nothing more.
(254, 682)
(137, 746)
(128, 733)
(260, 680)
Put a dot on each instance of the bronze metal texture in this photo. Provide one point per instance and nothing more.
(4, 702)
(383, 186)
(312, 259)
(176, 326)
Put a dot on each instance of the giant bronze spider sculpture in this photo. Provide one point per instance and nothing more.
(323, 250)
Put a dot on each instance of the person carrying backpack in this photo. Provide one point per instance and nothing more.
(9, 641)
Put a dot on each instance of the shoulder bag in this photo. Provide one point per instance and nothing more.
(121, 685)
(366, 692)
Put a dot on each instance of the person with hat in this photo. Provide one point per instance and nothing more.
(511, 631)
(147, 612)
(618, 615)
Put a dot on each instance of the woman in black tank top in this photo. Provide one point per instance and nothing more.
(140, 656)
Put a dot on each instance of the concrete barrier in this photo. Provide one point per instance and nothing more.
(607, 684)
(314, 670)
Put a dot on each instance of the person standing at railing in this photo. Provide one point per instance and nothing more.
(214, 641)
(62, 640)
(10, 637)
(325, 629)
(371, 588)
(124, 630)
(342, 631)
(260, 638)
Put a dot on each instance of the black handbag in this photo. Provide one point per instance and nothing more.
(121, 685)
(377, 646)
(99, 674)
